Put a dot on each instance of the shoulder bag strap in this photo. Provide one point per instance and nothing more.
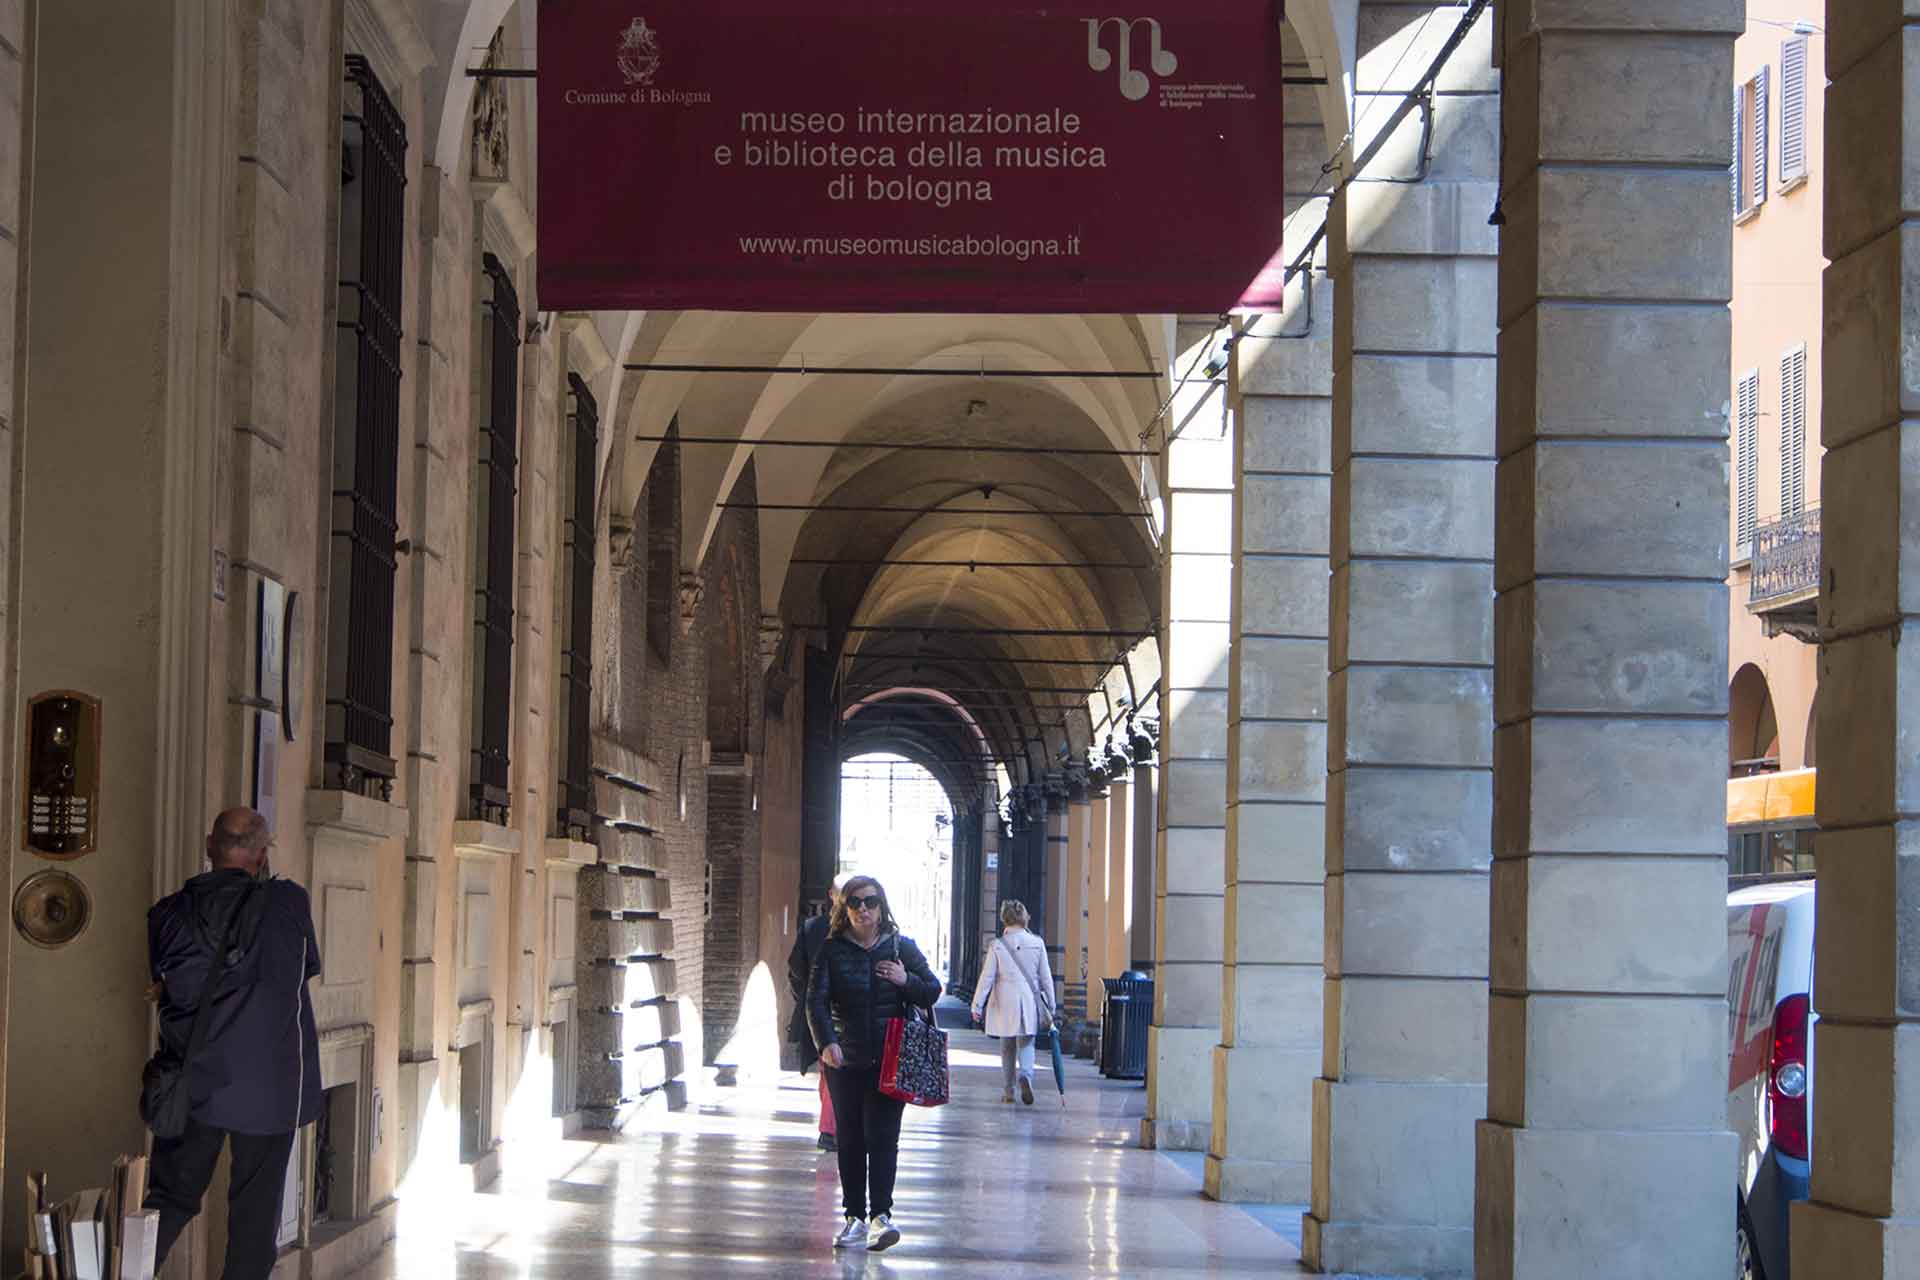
(1041, 1003)
(216, 970)
(911, 1007)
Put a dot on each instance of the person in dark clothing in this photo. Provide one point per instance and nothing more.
(256, 1079)
(866, 974)
(806, 948)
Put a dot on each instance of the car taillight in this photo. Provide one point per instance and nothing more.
(1787, 1078)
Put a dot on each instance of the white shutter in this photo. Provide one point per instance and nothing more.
(1759, 123)
(1793, 109)
(1793, 431)
(1746, 463)
(1734, 169)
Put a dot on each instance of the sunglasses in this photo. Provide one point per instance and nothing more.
(872, 900)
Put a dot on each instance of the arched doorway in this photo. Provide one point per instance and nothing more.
(1753, 733)
(896, 825)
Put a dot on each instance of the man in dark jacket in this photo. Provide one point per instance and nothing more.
(806, 949)
(256, 1077)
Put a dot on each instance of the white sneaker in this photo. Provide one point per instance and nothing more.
(885, 1234)
(854, 1235)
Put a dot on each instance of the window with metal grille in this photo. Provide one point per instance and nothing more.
(576, 652)
(1748, 171)
(1793, 111)
(1746, 462)
(1793, 431)
(357, 754)
(498, 382)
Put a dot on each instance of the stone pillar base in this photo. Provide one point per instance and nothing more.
(1634, 1205)
(1829, 1243)
(1392, 1163)
(1086, 1043)
(1179, 1088)
(1262, 1145)
(1240, 1181)
(1384, 1249)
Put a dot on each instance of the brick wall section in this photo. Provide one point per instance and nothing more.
(661, 976)
(729, 624)
(779, 775)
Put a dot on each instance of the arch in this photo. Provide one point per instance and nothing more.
(1809, 755)
(1753, 732)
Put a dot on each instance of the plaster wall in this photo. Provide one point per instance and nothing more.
(1777, 266)
(75, 522)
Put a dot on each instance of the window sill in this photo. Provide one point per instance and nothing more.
(1794, 184)
(353, 814)
(485, 839)
(1748, 214)
(571, 853)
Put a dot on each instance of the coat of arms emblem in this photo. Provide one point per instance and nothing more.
(639, 53)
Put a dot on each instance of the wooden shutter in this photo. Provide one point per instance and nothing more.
(1734, 169)
(1758, 123)
(1793, 431)
(1746, 461)
(1793, 109)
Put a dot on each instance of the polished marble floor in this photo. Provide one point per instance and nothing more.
(733, 1186)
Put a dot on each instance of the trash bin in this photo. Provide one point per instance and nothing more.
(1123, 1030)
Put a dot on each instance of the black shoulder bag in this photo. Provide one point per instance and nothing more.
(165, 1100)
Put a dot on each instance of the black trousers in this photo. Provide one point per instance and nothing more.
(869, 1136)
(177, 1180)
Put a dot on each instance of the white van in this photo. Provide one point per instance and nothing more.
(1770, 1022)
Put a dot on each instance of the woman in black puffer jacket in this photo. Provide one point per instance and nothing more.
(865, 975)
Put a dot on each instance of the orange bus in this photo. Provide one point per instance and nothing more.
(1770, 824)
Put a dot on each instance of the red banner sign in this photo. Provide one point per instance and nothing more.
(909, 155)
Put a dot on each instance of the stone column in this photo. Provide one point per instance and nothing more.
(993, 853)
(1056, 915)
(1863, 1220)
(1073, 905)
(1409, 792)
(1270, 1014)
(1196, 585)
(1099, 822)
(1119, 876)
(1146, 839)
(1605, 1151)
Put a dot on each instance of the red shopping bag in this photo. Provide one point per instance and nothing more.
(913, 1067)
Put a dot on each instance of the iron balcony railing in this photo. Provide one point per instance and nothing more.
(1786, 558)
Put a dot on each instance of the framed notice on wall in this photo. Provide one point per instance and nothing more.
(921, 155)
(269, 688)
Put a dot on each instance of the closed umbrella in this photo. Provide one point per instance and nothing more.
(1059, 1067)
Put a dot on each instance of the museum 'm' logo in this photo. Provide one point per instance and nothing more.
(639, 55)
(1134, 83)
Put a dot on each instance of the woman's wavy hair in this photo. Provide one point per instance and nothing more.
(1013, 911)
(857, 887)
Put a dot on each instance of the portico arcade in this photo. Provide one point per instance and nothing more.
(1361, 667)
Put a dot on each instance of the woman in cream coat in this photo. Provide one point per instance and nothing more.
(1015, 992)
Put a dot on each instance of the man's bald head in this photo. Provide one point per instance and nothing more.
(239, 838)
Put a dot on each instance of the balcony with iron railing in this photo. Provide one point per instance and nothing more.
(1785, 587)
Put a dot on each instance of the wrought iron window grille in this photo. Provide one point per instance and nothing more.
(357, 755)
(494, 494)
(575, 817)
